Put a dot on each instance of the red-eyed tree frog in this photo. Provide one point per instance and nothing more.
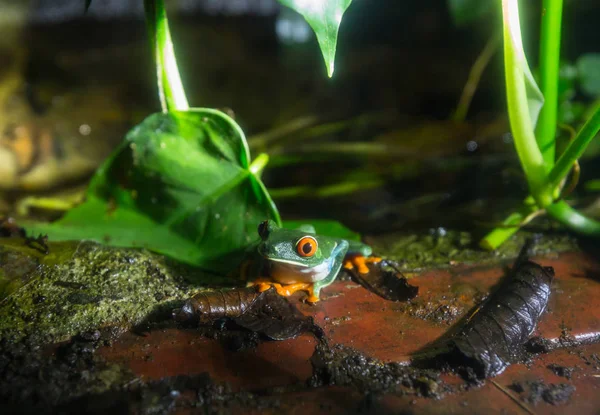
(299, 260)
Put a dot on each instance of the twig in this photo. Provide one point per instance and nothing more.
(475, 74)
(261, 140)
(576, 172)
(512, 396)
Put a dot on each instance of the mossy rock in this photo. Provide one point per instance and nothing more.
(84, 286)
(441, 248)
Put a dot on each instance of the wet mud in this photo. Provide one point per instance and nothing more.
(535, 391)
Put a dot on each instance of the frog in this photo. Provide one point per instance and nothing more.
(300, 260)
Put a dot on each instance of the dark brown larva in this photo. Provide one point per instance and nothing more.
(206, 307)
(496, 331)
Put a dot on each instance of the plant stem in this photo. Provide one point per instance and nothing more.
(521, 124)
(475, 74)
(509, 227)
(170, 88)
(574, 150)
(259, 164)
(543, 179)
(549, 67)
(572, 219)
(263, 139)
(333, 190)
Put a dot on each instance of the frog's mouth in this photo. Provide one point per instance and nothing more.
(289, 273)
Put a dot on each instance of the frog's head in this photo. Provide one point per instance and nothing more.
(294, 247)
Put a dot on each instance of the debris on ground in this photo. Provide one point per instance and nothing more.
(74, 380)
(34, 381)
(535, 391)
(343, 366)
(563, 371)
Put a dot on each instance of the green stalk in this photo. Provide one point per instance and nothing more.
(516, 71)
(333, 190)
(574, 150)
(572, 219)
(170, 88)
(543, 176)
(509, 227)
(259, 164)
(475, 74)
(549, 67)
(499, 235)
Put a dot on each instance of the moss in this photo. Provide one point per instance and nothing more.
(83, 286)
(442, 248)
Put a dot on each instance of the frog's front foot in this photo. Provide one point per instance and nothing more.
(285, 290)
(359, 262)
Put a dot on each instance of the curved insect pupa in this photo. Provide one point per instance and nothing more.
(208, 306)
(493, 335)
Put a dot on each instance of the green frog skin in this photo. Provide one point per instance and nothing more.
(299, 259)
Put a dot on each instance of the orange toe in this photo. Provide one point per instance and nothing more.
(289, 289)
(312, 298)
(285, 290)
(360, 263)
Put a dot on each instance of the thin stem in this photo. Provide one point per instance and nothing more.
(333, 190)
(170, 88)
(475, 74)
(573, 182)
(572, 219)
(259, 164)
(574, 150)
(509, 227)
(263, 139)
(559, 211)
(518, 111)
(307, 128)
(340, 149)
(549, 67)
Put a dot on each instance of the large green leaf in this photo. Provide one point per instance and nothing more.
(325, 17)
(325, 227)
(181, 184)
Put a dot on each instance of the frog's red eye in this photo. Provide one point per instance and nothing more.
(307, 246)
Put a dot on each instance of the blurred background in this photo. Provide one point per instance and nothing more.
(381, 146)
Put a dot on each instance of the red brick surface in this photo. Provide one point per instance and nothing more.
(352, 316)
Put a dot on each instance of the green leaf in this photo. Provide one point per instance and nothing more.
(535, 98)
(589, 73)
(466, 11)
(325, 17)
(325, 227)
(181, 184)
